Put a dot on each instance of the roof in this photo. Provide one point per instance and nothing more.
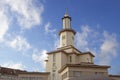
(9, 71)
(114, 75)
(63, 48)
(68, 47)
(83, 65)
(56, 51)
(66, 16)
(87, 53)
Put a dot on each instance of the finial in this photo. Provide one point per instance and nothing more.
(66, 13)
(66, 10)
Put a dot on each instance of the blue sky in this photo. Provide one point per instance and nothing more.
(29, 29)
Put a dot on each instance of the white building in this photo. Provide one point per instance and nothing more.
(68, 63)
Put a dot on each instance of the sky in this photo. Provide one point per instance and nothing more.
(29, 29)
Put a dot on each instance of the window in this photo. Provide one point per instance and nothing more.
(70, 58)
(99, 73)
(54, 64)
(73, 37)
(88, 60)
(30, 78)
(64, 75)
(53, 75)
(54, 57)
(63, 37)
(77, 73)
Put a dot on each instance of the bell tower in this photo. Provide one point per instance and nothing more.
(67, 33)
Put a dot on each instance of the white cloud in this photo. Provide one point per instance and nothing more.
(52, 32)
(104, 47)
(81, 37)
(48, 28)
(4, 24)
(40, 57)
(25, 11)
(19, 43)
(108, 49)
(14, 65)
(56, 43)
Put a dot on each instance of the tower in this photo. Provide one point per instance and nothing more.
(67, 33)
(68, 63)
(68, 60)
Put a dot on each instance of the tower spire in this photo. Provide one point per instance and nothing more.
(66, 10)
(66, 13)
(67, 33)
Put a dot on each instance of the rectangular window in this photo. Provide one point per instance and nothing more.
(54, 57)
(99, 73)
(64, 75)
(63, 37)
(77, 73)
(70, 58)
(30, 78)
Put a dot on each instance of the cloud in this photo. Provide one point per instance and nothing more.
(81, 37)
(25, 11)
(4, 24)
(20, 44)
(40, 57)
(104, 47)
(27, 14)
(14, 65)
(52, 32)
(48, 28)
(56, 43)
(109, 48)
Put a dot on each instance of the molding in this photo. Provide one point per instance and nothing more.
(67, 30)
(83, 66)
(67, 17)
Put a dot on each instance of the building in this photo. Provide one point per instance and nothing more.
(65, 63)
(68, 63)
(33, 76)
(9, 74)
(15, 74)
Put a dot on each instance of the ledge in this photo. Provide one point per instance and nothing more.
(68, 30)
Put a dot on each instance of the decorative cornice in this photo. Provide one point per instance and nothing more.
(68, 30)
(56, 51)
(64, 48)
(83, 65)
(67, 17)
(87, 53)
